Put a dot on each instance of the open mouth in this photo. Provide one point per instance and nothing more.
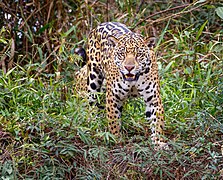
(130, 77)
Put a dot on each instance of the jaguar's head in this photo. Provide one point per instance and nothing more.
(131, 54)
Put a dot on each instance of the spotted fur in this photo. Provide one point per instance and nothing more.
(128, 63)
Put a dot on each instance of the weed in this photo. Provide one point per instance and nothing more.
(47, 131)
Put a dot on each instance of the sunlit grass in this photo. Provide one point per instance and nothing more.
(47, 131)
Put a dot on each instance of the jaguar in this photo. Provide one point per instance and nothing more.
(126, 62)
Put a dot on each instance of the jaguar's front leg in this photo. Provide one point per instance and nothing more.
(155, 116)
(154, 112)
(113, 108)
(114, 104)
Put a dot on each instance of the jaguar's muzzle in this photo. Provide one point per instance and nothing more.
(130, 77)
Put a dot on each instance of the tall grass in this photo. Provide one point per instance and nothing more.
(48, 132)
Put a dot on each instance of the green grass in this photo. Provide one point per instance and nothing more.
(48, 132)
(46, 136)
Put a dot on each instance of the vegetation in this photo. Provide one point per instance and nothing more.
(48, 132)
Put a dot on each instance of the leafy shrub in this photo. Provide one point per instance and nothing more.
(48, 132)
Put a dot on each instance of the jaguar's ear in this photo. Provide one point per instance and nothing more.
(112, 41)
(151, 41)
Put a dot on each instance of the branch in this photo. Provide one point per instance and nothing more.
(175, 15)
(42, 69)
(167, 10)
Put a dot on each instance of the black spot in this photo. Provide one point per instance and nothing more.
(93, 86)
(95, 70)
(88, 81)
(91, 42)
(91, 58)
(100, 76)
(103, 44)
(91, 50)
(120, 108)
(100, 82)
(149, 98)
(101, 29)
(104, 34)
(117, 97)
(148, 114)
(94, 96)
(97, 45)
(125, 29)
(147, 87)
(108, 109)
(92, 76)
(154, 85)
(114, 116)
(147, 70)
(155, 104)
(97, 56)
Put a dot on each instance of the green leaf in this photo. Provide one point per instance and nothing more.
(163, 33)
(73, 28)
(3, 41)
(40, 53)
(10, 71)
(168, 66)
(201, 30)
(219, 12)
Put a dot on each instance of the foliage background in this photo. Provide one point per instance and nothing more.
(48, 132)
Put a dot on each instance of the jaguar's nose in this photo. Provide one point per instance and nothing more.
(129, 67)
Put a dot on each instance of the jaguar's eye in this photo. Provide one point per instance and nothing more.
(121, 53)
